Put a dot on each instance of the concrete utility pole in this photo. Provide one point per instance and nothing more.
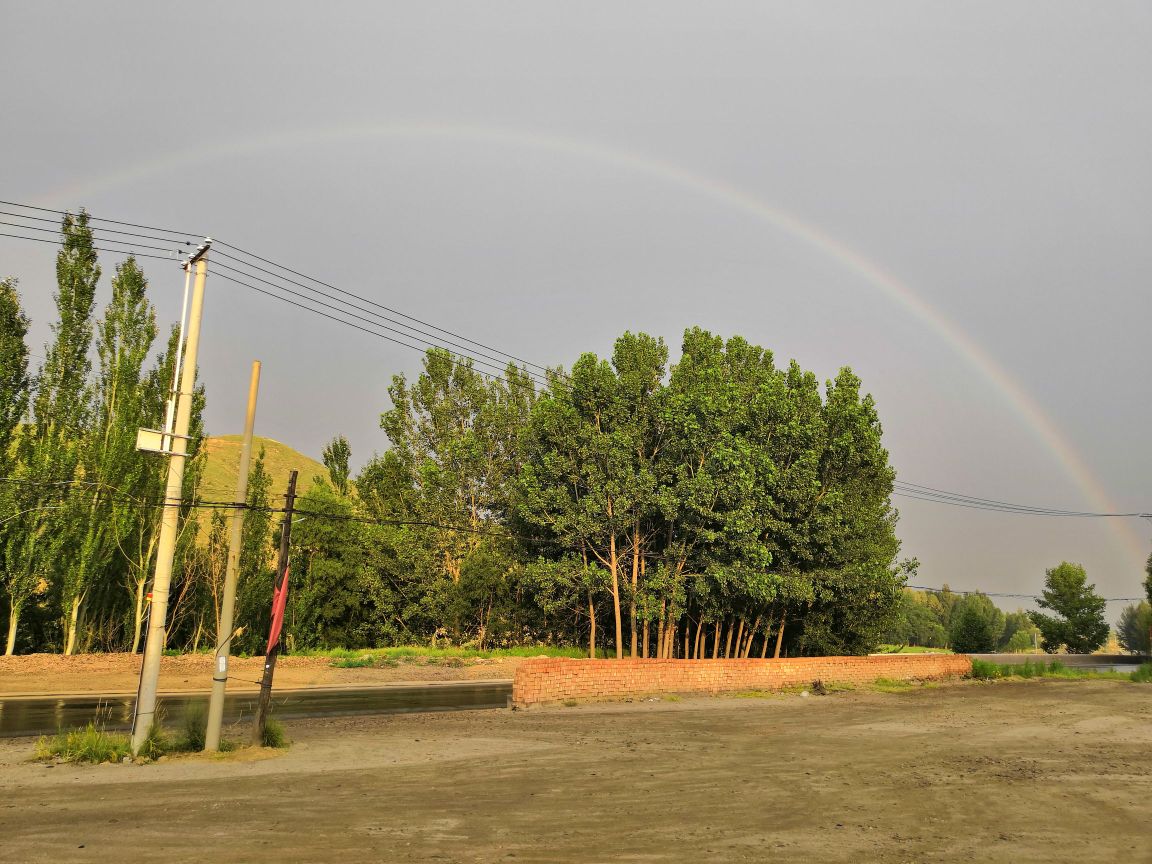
(279, 599)
(225, 633)
(170, 524)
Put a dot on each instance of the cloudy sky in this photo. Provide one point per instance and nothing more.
(954, 199)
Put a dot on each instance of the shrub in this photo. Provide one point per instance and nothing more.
(1143, 675)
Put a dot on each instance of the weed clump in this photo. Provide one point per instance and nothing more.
(274, 735)
(91, 745)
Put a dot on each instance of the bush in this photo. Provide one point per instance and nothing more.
(1143, 675)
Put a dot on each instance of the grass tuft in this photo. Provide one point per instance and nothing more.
(91, 745)
(274, 735)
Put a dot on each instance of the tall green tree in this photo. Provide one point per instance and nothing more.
(1079, 623)
(454, 452)
(40, 546)
(1135, 627)
(976, 625)
(115, 474)
(255, 578)
(336, 457)
(15, 384)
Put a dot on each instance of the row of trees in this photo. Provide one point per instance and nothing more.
(963, 622)
(720, 506)
(1073, 621)
(77, 529)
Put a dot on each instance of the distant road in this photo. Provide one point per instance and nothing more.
(44, 715)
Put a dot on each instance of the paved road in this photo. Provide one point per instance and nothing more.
(42, 715)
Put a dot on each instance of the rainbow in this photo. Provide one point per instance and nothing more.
(1014, 395)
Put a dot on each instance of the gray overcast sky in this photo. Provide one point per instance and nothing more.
(542, 176)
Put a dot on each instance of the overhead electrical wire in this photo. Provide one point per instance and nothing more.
(381, 306)
(91, 218)
(394, 340)
(56, 222)
(944, 590)
(491, 362)
(343, 310)
(96, 236)
(125, 252)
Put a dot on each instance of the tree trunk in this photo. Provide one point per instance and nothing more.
(70, 645)
(13, 622)
(660, 630)
(138, 617)
(698, 643)
(615, 567)
(751, 637)
(716, 641)
(728, 641)
(591, 627)
(635, 578)
(646, 654)
(740, 637)
(780, 636)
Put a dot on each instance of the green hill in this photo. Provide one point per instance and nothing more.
(223, 462)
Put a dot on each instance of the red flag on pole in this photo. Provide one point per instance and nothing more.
(279, 601)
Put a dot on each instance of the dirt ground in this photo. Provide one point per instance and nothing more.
(1034, 771)
(50, 674)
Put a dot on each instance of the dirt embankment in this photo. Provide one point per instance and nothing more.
(43, 674)
(1039, 771)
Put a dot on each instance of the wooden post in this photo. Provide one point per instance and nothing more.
(274, 649)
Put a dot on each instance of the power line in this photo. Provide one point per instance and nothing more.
(56, 222)
(95, 231)
(379, 305)
(125, 252)
(343, 310)
(951, 499)
(375, 333)
(102, 219)
(901, 488)
(1011, 596)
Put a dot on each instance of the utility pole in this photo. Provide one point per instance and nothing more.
(224, 633)
(279, 601)
(170, 522)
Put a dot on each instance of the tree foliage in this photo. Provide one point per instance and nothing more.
(1134, 628)
(1079, 623)
(718, 506)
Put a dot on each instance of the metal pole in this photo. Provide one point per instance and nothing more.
(170, 523)
(274, 647)
(225, 633)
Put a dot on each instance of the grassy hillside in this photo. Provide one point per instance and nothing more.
(219, 483)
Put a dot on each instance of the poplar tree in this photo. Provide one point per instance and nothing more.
(115, 473)
(336, 457)
(14, 393)
(41, 543)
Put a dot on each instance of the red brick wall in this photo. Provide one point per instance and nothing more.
(553, 680)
